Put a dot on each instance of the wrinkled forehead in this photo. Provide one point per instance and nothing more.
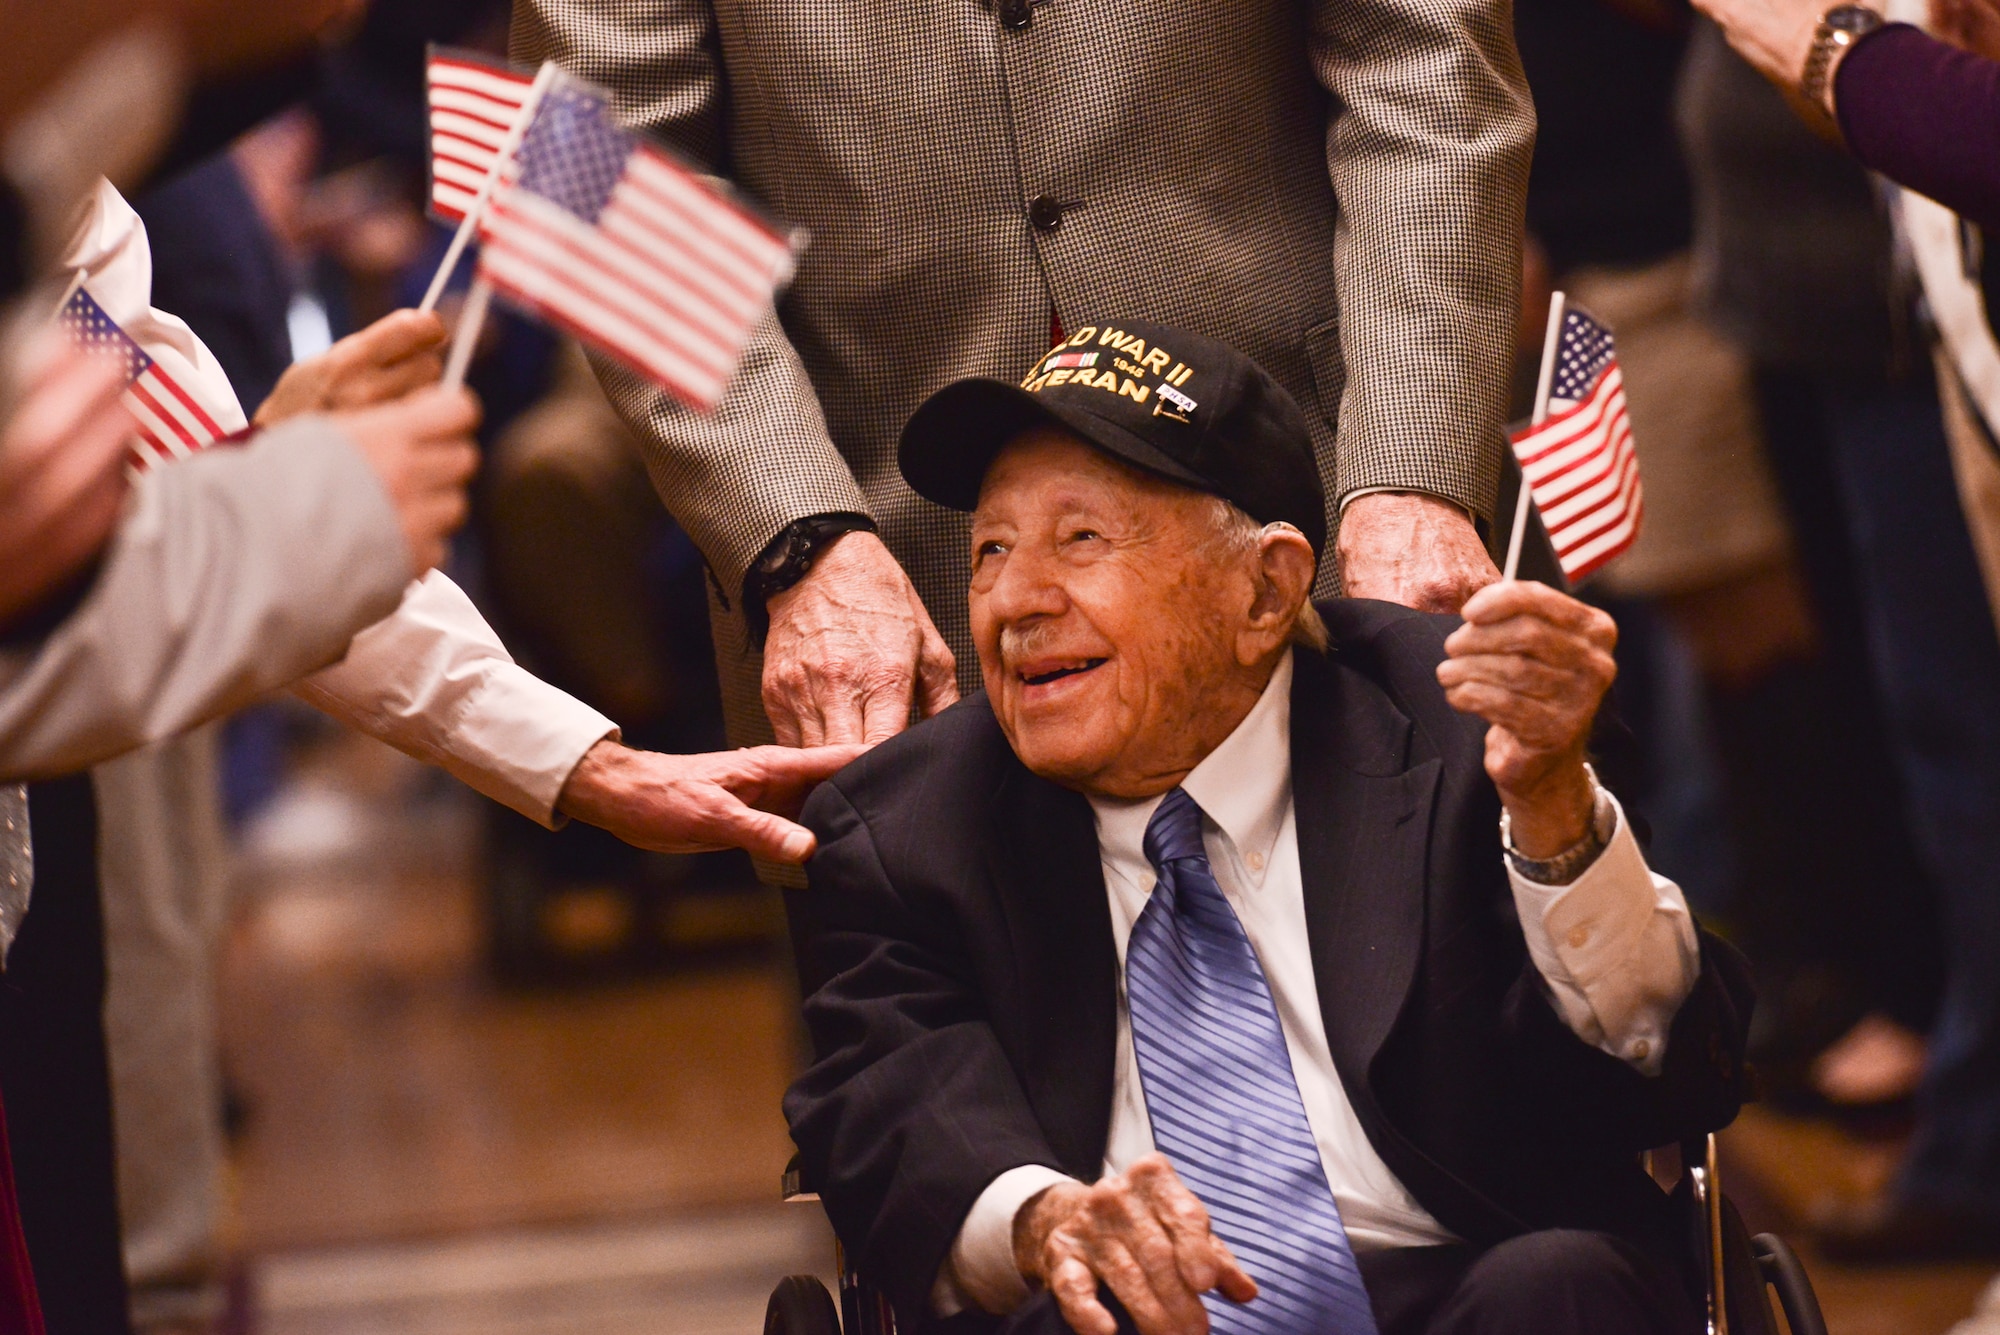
(1047, 467)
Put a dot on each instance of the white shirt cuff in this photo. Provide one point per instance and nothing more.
(980, 1270)
(1616, 947)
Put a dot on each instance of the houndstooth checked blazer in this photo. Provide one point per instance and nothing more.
(1333, 186)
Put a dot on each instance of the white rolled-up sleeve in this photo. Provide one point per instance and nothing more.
(1616, 948)
(434, 680)
(979, 1271)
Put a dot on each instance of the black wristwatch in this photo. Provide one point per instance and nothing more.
(788, 559)
(1839, 28)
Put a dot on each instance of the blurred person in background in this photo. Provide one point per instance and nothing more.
(1923, 110)
(432, 679)
(1795, 260)
(427, 680)
(1821, 885)
(52, 1060)
(174, 625)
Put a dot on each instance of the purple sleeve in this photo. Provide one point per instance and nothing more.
(1927, 116)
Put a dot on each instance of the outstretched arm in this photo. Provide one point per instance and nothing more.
(434, 680)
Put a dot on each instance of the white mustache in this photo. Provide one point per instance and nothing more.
(1017, 642)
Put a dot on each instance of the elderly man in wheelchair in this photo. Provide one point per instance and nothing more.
(1233, 962)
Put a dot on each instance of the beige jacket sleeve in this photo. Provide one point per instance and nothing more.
(733, 478)
(233, 573)
(433, 680)
(1428, 148)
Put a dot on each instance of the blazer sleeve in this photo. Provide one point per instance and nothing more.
(233, 573)
(1431, 134)
(911, 1107)
(733, 478)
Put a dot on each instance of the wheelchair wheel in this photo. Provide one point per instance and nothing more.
(1783, 1272)
(800, 1305)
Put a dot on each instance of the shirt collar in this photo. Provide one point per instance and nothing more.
(1244, 785)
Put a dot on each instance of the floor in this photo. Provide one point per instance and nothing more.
(424, 1153)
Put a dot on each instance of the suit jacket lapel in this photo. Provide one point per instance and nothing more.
(1364, 816)
(1042, 854)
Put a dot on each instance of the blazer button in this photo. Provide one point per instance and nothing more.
(1016, 13)
(1045, 212)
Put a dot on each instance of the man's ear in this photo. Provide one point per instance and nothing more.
(1285, 577)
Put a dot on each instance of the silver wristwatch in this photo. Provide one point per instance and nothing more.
(1839, 28)
(1573, 861)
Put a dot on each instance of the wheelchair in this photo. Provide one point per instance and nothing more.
(1742, 1273)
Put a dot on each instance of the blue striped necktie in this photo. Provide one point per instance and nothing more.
(1224, 1104)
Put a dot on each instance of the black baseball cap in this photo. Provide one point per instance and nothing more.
(1175, 404)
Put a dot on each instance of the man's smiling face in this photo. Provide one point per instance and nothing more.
(1106, 619)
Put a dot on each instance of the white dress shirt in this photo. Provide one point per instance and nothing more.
(1616, 949)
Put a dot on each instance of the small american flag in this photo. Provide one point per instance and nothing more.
(474, 102)
(173, 421)
(609, 238)
(1579, 463)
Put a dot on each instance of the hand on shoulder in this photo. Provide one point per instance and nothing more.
(1409, 548)
(691, 804)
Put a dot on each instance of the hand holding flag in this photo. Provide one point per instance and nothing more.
(63, 477)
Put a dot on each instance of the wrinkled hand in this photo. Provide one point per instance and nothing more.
(1403, 547)
(695, 804)
(62, 473)
(1535, 664)
(397, 355)
(1144, 1235)
(850, 646)
(421, 448)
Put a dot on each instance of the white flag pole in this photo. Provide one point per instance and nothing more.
(465, 338)
(468, 227)
(1551, 348)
